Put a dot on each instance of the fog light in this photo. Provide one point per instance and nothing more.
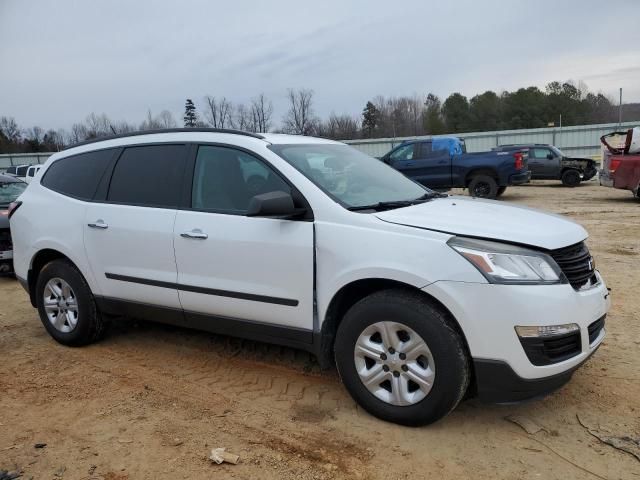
(547, 330)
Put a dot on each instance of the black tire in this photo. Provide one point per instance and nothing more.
(571, 178)
(483, 186)
(500, 191)
(90, 325)
(452, 370)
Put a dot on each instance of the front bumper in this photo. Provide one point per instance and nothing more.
(496, 382)
(488, 314)
(520, 178)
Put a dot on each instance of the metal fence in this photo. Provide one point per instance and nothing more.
(9, 159)
(582, 141)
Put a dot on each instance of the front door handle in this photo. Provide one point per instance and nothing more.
(98, 224)
(195, 233)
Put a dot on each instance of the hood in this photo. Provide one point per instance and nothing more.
(490, 219)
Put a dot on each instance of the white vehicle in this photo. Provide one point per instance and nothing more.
(31, 172)
(19, 171)
(418, 297)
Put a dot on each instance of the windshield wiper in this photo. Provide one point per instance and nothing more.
(399, 203)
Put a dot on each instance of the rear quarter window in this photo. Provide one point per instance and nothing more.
(78, 176)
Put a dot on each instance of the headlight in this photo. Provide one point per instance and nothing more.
(504, 263)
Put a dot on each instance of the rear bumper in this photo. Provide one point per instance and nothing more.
(498, 383)
(520, 178)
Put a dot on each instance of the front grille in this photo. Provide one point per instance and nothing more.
(576, 264)
(545, 351)
(5, 240)
(595, 328)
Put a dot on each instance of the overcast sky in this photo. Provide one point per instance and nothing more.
(62, 59)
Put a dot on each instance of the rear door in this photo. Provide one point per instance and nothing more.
(129, 232)
(233, 267)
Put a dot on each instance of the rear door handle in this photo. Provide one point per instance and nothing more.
(98, 224)
(196, 233)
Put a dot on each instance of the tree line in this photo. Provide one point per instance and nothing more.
(403, 116)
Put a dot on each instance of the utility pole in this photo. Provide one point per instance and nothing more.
(620, 109)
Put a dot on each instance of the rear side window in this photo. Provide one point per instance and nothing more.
(425, 150)
(78, 176)
(149, 176)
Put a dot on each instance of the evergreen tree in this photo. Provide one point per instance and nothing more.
(190, 115)
(370, 119)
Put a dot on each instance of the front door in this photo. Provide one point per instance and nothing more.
(233, 267)
(129, 236)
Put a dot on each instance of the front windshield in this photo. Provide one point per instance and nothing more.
(9, 191)
(348, 175)
(557, 152)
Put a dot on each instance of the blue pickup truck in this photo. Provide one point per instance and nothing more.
(443, 163)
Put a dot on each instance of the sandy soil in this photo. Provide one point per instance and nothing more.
(150, 401)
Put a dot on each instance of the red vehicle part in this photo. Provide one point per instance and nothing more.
(625, 171)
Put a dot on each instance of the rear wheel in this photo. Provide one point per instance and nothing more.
(66, 305)
(401, 359)
(483, 186)
(571, 178)
(500, 191)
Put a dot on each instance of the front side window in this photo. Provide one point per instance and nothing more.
(78, 176)
(10, 191)
(348, 175)
(225, 180)
(149, 176)
(402, 153)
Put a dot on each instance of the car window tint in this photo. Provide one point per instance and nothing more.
(425, 149)
(225, 180)
(149, 175)
(78, 176)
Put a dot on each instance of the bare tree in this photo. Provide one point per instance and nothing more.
(166, 120)
(242, 118)
(339, 127)
(10, 129)
(218, 113)
(261, 112)
(300, 118)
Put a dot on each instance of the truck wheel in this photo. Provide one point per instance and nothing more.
(483, 186)
(400, 358)
(571, 178)
(66, 305)
(500, 191)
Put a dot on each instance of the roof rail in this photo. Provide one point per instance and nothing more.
(166, 130)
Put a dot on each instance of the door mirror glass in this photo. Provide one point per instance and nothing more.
(272, 204)
(550, 156)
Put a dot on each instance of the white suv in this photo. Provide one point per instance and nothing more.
(418, 297)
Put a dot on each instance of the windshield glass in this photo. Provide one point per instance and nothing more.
(348, 175)
(9, 191)
(557, 151)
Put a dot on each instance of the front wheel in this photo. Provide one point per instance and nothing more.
(401, 359)
(571, 178)
(483, 186)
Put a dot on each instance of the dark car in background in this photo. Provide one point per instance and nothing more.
(10, 189)
(443, 163)
(547, 162)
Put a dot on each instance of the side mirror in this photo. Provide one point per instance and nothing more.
(550, 156)
(276, 204)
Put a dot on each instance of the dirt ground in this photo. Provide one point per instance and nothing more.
(150, 401)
